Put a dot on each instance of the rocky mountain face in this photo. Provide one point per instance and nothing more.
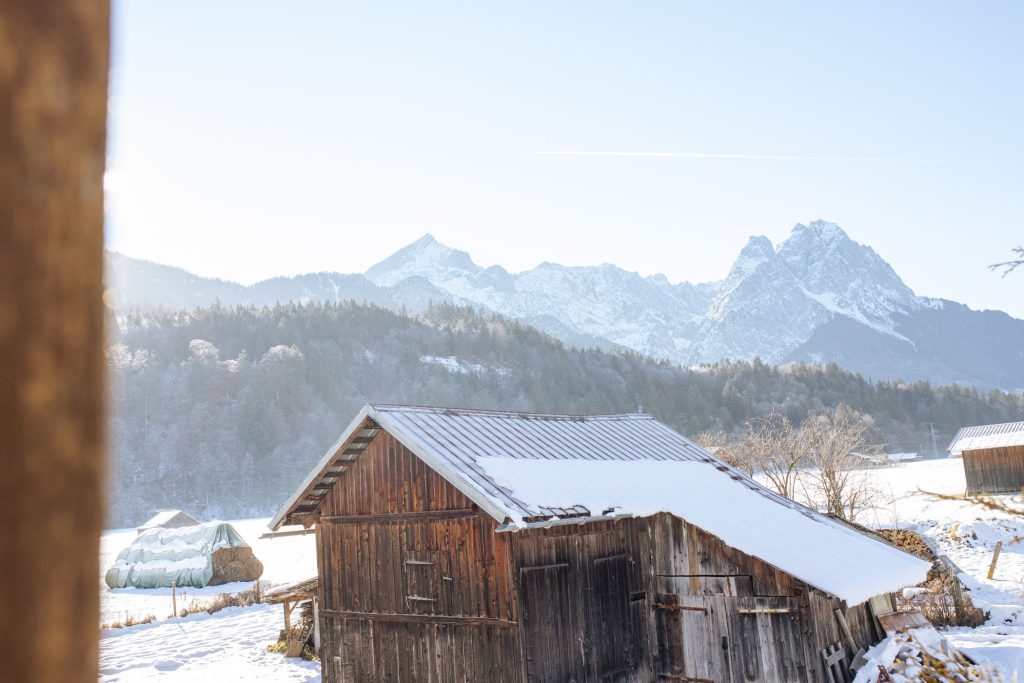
(819, 296)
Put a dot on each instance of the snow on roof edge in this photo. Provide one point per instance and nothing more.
(819, 551)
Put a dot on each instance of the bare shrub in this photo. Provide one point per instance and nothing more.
(219, 602)
(934, 597)
(240, 599)
(828, 443)
(769, 445)
(937, 605)
(723, 448)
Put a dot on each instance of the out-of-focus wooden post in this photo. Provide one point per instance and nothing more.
(54, 57)
(995, 558)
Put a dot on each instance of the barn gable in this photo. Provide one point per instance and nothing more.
(993, 457)
(979, 437)
(525, 470)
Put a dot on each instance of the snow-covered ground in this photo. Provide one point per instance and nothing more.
(230, 645)
(968, 536)
(286, 559)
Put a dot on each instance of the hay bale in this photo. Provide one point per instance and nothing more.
(235, 564)
(196, 556)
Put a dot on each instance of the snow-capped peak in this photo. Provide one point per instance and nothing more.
(846, 277)
(821, 230)
(758, 250)
(427, 258)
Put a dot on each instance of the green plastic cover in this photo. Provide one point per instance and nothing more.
(185, 556)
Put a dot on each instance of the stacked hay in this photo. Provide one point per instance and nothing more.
(207, 554)
(235, 563)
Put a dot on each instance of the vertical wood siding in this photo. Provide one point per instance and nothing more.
(726, 631)
(994, 470)
(417, 586)
(596, 603)
(420, 590)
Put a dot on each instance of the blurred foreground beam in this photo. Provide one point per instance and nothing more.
(53, 104)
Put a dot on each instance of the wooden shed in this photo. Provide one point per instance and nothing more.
(463, 545)
(292, 595)
(168, 519)
(993, 457)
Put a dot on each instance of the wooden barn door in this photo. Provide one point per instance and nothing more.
(687, 646)
(554, 639)
(731, 639)
(610, 628)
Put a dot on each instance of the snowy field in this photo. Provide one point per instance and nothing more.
(287, 559)
(230, 645)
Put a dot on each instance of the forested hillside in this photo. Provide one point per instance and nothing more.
(222, 411)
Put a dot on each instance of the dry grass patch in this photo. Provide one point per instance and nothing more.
(219, 602)
(130, 620)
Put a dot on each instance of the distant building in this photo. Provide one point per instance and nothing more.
(168, 519)
(901, 457)
(470, 545)
(993, 457)
(868, 459)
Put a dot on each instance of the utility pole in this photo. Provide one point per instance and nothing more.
(935, 443)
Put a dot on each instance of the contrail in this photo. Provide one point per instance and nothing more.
(689, 155)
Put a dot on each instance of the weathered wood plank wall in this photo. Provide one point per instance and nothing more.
(729, 617)
(415, 583)
(994, 470)
(584, 608)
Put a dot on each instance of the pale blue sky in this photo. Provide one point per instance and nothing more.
(255, 139)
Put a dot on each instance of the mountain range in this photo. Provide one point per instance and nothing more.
(818, 296)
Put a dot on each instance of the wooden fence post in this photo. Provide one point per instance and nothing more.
(54, 60)
(995, 558)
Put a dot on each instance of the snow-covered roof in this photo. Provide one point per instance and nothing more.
(524, 468)
(897, 457)
(169, 519)
(987, 436)
(297, 590)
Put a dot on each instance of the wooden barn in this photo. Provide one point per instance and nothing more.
(464, 545)
(993, 457)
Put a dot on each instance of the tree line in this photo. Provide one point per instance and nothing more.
(222, 411)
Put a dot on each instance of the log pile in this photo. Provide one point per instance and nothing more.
(921, 655)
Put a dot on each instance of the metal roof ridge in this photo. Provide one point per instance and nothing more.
(971, 431)
(514, 414)
(998, 424)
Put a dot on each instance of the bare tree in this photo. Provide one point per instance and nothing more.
(830, 442)
(769, 445)
(1009, 266)
(722, 447)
